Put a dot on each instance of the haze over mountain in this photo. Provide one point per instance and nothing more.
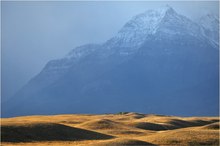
(159, 62)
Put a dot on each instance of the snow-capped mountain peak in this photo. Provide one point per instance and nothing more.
(135, 31)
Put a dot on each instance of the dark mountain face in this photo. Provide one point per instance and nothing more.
(172, 70)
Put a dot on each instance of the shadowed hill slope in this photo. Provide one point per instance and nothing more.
(125, 142)
(47, 132)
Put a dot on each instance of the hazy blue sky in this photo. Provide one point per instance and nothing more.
(35, 32)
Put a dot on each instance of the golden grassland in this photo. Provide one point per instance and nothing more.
(109, 130)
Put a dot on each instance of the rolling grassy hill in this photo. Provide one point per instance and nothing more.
(110, 129)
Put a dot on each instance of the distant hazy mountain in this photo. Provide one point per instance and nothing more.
(159, 62)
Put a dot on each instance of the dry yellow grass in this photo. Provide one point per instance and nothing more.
(109, 129)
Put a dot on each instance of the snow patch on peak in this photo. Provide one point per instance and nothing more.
(140, 26)
(81, 51)
(209, 21)
(210, 27)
